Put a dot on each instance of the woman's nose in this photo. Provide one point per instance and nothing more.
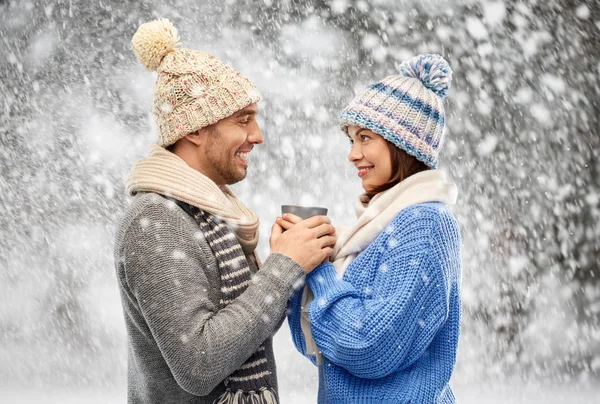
(355, 153)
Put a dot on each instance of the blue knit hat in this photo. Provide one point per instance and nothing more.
(406, 109)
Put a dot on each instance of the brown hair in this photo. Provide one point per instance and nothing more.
(403, 166)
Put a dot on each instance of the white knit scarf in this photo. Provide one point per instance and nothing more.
(373, 215)
(167, 174)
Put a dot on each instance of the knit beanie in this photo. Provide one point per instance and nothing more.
(406, 109)
(193, 89)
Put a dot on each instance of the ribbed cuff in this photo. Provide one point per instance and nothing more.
(284, 271)
(324, 280)
(362, 400)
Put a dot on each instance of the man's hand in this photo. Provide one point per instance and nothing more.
(308, 242)
(288, 220)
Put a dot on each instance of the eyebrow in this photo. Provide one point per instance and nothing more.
(245, 112)
(356, 134)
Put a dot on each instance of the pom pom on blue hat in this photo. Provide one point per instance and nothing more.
(406, 108)
(432, 70)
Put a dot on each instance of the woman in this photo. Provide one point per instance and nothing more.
(385, 314)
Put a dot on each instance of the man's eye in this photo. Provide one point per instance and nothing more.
(364, 138)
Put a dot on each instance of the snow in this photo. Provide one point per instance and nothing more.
(302, 390)
(312, 40)
(476, 28)
(554, 82)
(42, 46)
(488, 145)
(494, 12)
(583, 12)
(541, 113)
(339, 6)
(522, 143)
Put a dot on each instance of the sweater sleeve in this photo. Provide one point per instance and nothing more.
(373, 333)
(165, 266)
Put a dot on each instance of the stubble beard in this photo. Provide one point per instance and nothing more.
(221, 162)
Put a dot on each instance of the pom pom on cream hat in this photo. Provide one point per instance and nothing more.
(193, 89)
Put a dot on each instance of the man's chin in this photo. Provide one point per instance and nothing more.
(237, 178)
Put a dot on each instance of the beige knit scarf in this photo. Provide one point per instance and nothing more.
(373, 215)
(166, 174)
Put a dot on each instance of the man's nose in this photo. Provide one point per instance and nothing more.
(255, 135)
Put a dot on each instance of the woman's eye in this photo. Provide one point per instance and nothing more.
(364, 138)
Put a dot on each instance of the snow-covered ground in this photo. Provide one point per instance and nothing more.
(513, 394)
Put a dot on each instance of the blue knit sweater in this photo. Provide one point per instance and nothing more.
(388, 330)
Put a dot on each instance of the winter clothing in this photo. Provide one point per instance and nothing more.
(230, 232)
(373, 217)
(253, 375)
(199, 313)
(383, 320)
(193, 89)
(167, 174)
(184, 340)
(406, 109)
(388, 329)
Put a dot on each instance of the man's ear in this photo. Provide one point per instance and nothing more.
(197, 137)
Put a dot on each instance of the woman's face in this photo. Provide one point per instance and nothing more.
(371, 156)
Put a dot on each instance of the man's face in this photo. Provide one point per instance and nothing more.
(229, 142)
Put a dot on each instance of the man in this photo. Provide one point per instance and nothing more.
(199, 312)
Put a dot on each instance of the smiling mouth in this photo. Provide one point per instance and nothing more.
(243, 157)
(364, 171)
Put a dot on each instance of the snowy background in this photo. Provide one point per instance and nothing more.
(522, 139)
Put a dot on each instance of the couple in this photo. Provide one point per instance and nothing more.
(379, 309)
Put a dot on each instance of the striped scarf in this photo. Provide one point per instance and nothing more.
(166, 174)
(250, 383)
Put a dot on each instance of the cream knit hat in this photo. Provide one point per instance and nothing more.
(193, 89)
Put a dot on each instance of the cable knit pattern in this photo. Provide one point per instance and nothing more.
(182, 342)
(388, 330)
(193, 89)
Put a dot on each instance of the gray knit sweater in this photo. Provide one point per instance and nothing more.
(181, 343)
